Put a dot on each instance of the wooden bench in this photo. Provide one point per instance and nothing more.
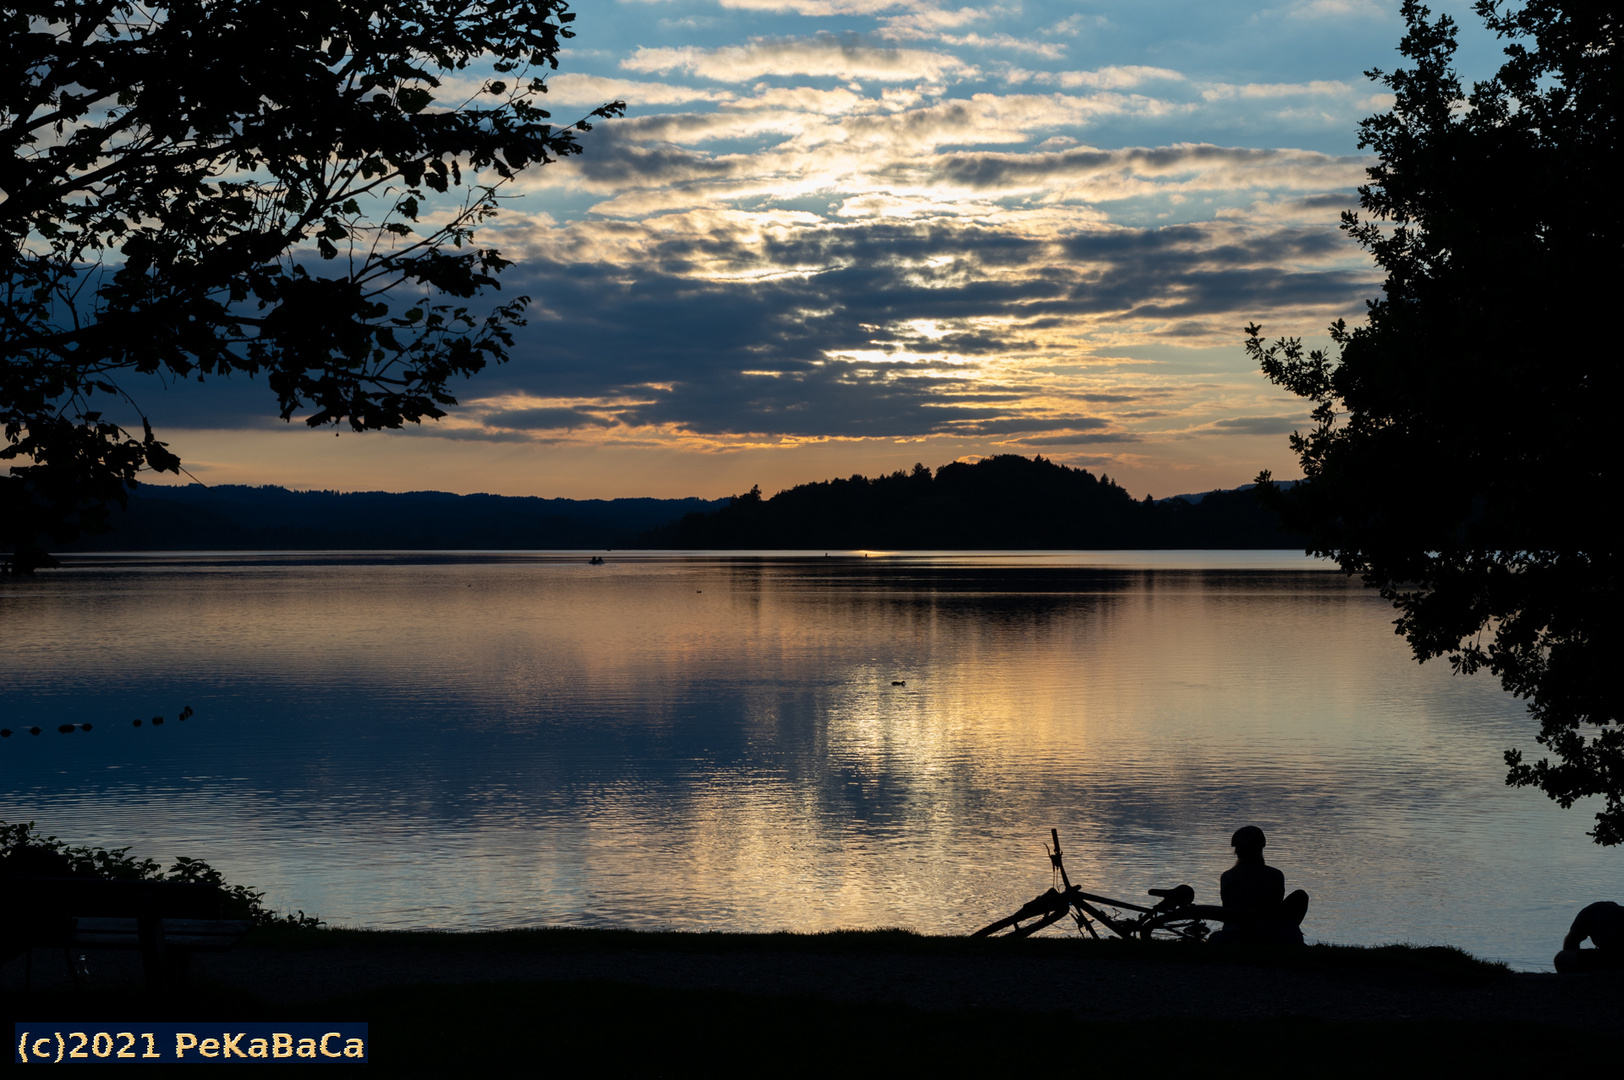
(167, 921)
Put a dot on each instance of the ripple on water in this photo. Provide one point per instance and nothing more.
(717, 744)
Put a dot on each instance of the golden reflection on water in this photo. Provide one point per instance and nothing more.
(721, 743)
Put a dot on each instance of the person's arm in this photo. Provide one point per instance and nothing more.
(1578, 931)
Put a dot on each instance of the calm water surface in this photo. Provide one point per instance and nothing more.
(717, 742)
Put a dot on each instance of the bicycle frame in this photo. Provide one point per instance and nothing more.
(1174, 914)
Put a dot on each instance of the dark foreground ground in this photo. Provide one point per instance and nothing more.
(549, 1001)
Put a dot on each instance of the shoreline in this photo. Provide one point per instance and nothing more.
(867, 1003)
(1093, 981)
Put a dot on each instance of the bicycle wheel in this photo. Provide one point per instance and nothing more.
(1175, 925)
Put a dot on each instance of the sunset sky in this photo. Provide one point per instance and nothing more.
(838, 236)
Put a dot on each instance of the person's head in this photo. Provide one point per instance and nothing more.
(1248, 843)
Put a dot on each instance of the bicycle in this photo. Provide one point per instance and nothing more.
(1175, 916)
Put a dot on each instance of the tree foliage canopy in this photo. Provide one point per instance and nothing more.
(193, 188)
(1462, 454)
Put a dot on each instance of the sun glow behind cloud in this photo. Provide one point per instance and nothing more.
(866, 225)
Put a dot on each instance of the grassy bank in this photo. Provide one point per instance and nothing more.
(514, 1029)
(508, 1027)
(1433, 961)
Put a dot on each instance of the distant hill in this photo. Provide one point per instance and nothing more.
(1004, 502)
(232, 517)
(1196, 497)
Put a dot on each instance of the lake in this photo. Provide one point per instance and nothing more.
(755, 742)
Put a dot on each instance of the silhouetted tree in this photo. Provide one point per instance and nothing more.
(195, 189)
(1463, 449)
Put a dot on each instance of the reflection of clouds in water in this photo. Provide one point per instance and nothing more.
(718, 744)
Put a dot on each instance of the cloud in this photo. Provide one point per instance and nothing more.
(902, 153)
(804, 99)
(1072, 25)
(1119, 173)
(930, 22)
(652, 164)
(1084, 439)
(1322, 208)
(452, 431)
(594, 90)
(1124, 77)
(960, 220)
(820, 8)
(1205, 246)
(1047, 49)
(783, 257)
(1256, 425)
(893, 206)
(1015, 425)
(1336, 9)
(1222, 91)
(729, 324)
(546, 418)
(936, 24)
(826, 55)
(735, 324)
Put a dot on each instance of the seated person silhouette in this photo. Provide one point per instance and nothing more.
(1256, 892)
(1603, 923)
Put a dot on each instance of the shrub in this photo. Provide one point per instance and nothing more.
(117, 864)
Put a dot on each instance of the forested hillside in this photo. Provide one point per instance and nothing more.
(1005, 502)
(232, 517)
(1000, 502)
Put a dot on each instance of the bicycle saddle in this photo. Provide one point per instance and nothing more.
(1176, 897)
